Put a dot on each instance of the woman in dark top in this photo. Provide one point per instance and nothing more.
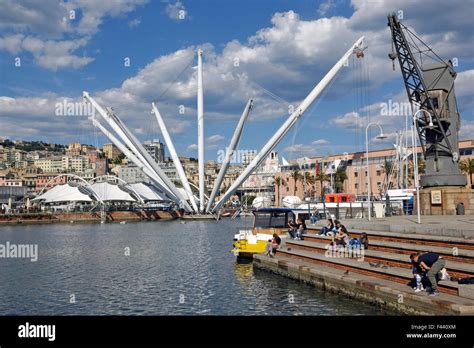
(292, 228)
(327, 228)
(300, 228)
(275, 243)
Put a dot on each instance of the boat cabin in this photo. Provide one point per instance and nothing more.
(272, 220)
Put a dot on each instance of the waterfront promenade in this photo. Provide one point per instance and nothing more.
(382, 273)
(446, 225)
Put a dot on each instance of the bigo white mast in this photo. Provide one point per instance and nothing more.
(174, 156)
(200, 124)
(292, 119)
(229, 153)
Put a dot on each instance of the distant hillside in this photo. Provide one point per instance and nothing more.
(33, 146)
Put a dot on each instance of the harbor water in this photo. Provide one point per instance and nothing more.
(150, 268)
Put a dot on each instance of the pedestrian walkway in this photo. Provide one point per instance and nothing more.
(381, 274)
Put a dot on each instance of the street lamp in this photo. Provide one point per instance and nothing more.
(380, 136)
(415, 159)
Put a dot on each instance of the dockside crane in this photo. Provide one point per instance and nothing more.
(430, 90)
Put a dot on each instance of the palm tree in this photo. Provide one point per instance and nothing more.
(340, 177)
(321, 177)
(387, 168)
(279, 182)
(411, 169)
(296, 175)
(421, 166)
(467, 167)
(309, 180)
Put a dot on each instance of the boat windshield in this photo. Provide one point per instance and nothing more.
(271, 219)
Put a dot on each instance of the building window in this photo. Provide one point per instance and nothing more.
(356, 174)
(379, 172)
(356, 186)
(287, 189)
(365, 173)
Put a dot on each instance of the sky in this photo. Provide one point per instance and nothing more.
(130, 53)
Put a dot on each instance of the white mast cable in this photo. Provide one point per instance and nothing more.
(174, 156)
(275, 139)
(135, 146)
(200, 124)
(229, 153)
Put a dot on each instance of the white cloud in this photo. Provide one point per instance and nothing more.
(464, 83)
(192, 147)
(176, 11)
(285, 57)
(38, 118)
(12, 43)
(56, 55)
(215, 138)
(320, 142)
(467, 130)
(38, 28)
(349, 120)
(299, 149)
(94, 12)
(49, 54)
(134, 23)
(324, 7)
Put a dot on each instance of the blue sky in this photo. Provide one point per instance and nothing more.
(283, 47)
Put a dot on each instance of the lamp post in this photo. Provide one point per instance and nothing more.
(415, 159)
(380, 136)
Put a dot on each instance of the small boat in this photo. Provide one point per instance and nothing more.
(266, 222)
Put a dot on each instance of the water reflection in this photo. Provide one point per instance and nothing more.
(173, 269)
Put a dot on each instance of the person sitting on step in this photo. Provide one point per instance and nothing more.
(361, 242)
(300, 228)
(329, 227)
(276, 241)
(292, 229)
(335, 230)
(341, 238)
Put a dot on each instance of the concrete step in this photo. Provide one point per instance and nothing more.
(381, 292)
(456, 269)
(396, 274)
(462, 255)
(422, 239)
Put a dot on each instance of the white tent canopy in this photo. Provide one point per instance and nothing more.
(261, 202)
(291, 201)
(111, 192)
(149, 192)
(65, 193)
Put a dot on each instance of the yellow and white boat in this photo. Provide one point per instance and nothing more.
(266, 222)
